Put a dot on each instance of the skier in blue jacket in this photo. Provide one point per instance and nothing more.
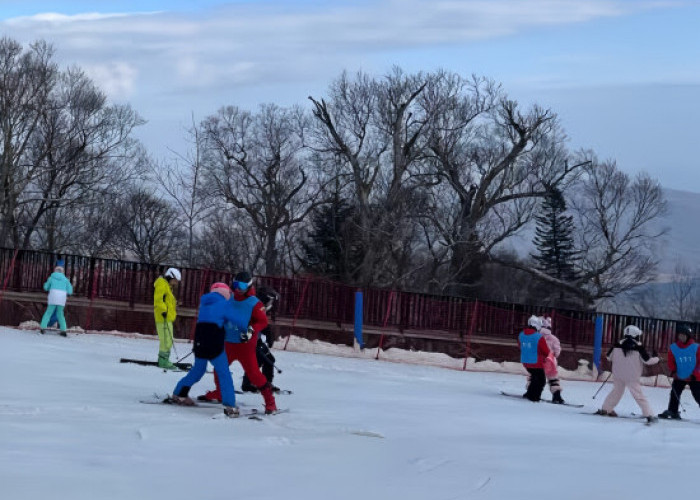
(59, 287)
(209, 334)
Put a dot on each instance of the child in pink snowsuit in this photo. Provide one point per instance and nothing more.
(628, 357)
(550, 362)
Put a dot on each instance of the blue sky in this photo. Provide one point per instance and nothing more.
(624, 76)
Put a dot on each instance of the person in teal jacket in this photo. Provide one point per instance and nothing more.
(59, 288)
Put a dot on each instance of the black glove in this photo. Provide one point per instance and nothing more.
(165, 314)
(247, 335)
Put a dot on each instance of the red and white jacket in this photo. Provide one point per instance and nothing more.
(542, 349)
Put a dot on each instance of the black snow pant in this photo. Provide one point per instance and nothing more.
(266, 362)
(537, 384)
(677, 389)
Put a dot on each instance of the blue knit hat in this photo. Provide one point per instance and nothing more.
(60, 263)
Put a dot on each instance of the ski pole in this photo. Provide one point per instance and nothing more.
(601, 385)
(673, 391)
(185, 356)
(268, 360)
(168, 329)
(172, 338)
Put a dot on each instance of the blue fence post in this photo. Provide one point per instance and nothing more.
(598, 341)
(358, 319)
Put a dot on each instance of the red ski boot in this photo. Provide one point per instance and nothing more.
(270, 405)
(210, 397)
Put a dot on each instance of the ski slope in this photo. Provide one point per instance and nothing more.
(72, 427)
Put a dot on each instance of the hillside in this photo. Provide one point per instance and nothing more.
(71, 422)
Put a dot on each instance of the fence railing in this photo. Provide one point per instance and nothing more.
(314, 299)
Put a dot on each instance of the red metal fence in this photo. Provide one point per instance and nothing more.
(313, 299)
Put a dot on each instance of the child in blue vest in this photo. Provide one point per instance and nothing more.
(59, 287)
(684, 363)
(533, 352)
(266, 338)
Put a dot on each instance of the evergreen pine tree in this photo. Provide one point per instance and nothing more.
(556, 255)
(326, 250)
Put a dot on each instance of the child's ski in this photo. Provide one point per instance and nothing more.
(520, 396)
(181, 366)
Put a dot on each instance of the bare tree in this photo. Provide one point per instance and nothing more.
(684, 289)
(375, 129)
(616, 237)
(228, 242)
(82, 150)
(256, 163)
(646, 301)
(614, 217)
(149, 228)
(183, 184)
(27, 78)
(496, 161)
(91, 228)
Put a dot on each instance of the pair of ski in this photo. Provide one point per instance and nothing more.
(664, 419)
(639, 418)
(520, 396)
(632, 417)
(143, 362)
(57, 331)
(186, 367)
(252, 414)
(276, 393)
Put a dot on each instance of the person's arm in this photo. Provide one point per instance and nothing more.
(696, 372)
(556, 346)
(258, 318)
(646, 359)
(159, 294)
(608, 356)
(671, 360)
(543, 348)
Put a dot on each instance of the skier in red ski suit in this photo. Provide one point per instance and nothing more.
(241, 339)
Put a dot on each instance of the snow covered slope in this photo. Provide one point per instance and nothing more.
(71, 426)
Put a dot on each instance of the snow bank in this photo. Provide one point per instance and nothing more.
(582, 373)
(441, 360)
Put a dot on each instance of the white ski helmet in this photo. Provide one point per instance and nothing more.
(173, 273)
(535, 322)
(632, 331)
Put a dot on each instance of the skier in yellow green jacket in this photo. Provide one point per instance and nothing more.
(164, 310)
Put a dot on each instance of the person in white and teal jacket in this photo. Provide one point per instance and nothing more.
(59, 288)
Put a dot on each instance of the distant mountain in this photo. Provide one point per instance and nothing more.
(682, 241)
(678, 249)
(679, 244)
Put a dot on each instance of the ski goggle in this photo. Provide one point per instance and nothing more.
(242, 285)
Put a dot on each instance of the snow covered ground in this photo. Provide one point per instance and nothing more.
(71, 426)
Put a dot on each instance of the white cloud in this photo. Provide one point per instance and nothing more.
(177, 63)
(56, 18)
(284, 37)
(117, 79)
